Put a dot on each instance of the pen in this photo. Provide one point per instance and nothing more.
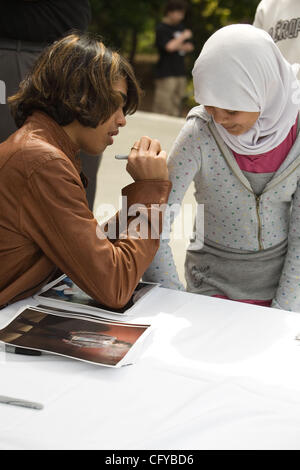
(19, 402)
(121, 157)
(23, 351)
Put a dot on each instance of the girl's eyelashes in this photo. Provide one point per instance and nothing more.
(231, 112)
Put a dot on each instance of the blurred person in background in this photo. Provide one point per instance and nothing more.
(27, 27)
(173, 41)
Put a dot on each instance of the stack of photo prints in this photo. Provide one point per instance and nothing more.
(68, 322)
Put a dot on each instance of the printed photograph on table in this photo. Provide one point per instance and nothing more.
(100, 342)
(66, 291)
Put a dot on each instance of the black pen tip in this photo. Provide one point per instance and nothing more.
(27, 352)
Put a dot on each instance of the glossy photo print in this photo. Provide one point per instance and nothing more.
(65, 290)
(100, 342)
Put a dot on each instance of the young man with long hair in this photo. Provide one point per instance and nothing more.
(76, 97)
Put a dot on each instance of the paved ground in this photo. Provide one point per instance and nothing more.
(112, 175)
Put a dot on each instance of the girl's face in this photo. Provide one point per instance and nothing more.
(235, 122)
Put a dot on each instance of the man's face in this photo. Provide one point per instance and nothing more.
(94, 141)
(235, 122)
(176, 16)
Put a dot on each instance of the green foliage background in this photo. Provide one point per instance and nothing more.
(129, 25)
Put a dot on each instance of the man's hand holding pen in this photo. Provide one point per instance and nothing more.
(146, 160)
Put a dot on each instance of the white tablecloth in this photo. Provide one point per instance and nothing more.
(214, 374)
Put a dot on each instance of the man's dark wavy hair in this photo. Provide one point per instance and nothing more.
(73, 79)
(175, 5)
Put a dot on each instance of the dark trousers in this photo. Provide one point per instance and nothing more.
(16, 59)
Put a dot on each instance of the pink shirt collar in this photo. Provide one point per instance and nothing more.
(268, 162)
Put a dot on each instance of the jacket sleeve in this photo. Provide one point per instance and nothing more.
(54, 213)
(288, 292)
(183, 164)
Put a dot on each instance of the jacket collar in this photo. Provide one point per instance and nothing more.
(52, 131)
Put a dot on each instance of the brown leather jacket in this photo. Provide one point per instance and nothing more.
(45, 222)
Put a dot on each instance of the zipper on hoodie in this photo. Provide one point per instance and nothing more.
(257, 200)
(270, 185)
(257, 203)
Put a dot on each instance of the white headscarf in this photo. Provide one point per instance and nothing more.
(240, 68)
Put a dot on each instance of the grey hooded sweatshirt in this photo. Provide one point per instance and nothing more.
(249, 246)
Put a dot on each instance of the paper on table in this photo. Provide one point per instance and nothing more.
(103, 343)
(64, 292)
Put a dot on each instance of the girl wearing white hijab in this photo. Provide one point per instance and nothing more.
(241, 148)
